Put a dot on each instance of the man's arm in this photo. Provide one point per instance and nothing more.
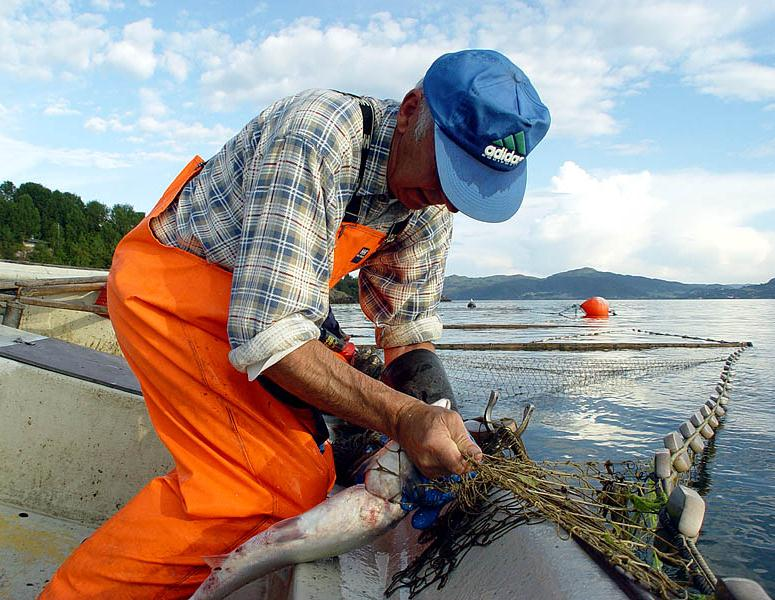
(434, 438)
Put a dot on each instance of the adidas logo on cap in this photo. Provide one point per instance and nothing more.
(509, 150)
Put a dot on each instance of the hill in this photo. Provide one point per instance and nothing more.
(45, 226)
(53, 227)
(585, 282)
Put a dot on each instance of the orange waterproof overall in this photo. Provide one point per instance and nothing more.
(243, 459)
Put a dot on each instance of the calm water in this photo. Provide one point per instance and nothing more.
(627, 418)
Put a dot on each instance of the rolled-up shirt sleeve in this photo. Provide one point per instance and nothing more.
(279, 292)
(401, 285)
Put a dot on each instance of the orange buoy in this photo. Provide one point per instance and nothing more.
(595, 307)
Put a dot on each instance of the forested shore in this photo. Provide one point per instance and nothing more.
(48, 226)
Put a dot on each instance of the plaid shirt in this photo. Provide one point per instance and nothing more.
(267, 207)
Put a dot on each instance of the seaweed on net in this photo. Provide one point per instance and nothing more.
(611, 509)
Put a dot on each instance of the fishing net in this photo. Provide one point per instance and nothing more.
(524, 375)
(611, 509)
(615, 511)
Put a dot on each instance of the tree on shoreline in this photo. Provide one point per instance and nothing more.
(41, 225)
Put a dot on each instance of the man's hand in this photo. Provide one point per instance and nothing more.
(435, 439)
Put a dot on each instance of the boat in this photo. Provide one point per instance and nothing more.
(76, 444)
(59, 302)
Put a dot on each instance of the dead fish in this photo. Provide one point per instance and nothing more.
(345, 521)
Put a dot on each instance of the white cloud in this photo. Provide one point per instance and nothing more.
(584, 57)
(153, 129)
(96, 124)
(21, 158)
(106, 5)
(762, 151)
(100, 125)
(151, 103)
(9, 7)
(60, 7)
(9, 118)
(60, 108)
(134, 53)
(25, 161)
(37, 49)
(692, 226)
(171, 157)
(174, 131)
(308, 54)
(176, 65)
(743, 80)
(194, 51)
(729, 70)
(259, 9)
(605, 215)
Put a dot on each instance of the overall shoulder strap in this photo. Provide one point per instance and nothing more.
(354, 205)
(353, 209)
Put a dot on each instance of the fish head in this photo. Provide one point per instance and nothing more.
(389, 471)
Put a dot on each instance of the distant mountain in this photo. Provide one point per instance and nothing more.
(585, 282)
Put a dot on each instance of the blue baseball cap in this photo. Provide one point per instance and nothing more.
(488, 117)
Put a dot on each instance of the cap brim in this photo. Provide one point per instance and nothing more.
(476, 190)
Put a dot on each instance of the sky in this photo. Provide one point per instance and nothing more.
(660, 160)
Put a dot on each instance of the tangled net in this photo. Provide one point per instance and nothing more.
(612, 510)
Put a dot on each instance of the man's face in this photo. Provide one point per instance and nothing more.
(412, 175)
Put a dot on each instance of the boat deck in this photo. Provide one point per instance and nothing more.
(33, 546)
(75, 447)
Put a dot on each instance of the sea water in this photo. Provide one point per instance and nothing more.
(626, 418)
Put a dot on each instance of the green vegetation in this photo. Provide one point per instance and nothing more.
(346, 291)
(45, 226)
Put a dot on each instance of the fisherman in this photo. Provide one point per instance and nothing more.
(217, 298)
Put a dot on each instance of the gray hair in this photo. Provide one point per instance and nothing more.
(424, 117)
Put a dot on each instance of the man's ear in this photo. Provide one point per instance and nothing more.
(409, 107)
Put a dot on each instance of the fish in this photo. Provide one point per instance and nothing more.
(345, 521)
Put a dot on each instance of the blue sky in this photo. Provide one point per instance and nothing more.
(660, 160)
